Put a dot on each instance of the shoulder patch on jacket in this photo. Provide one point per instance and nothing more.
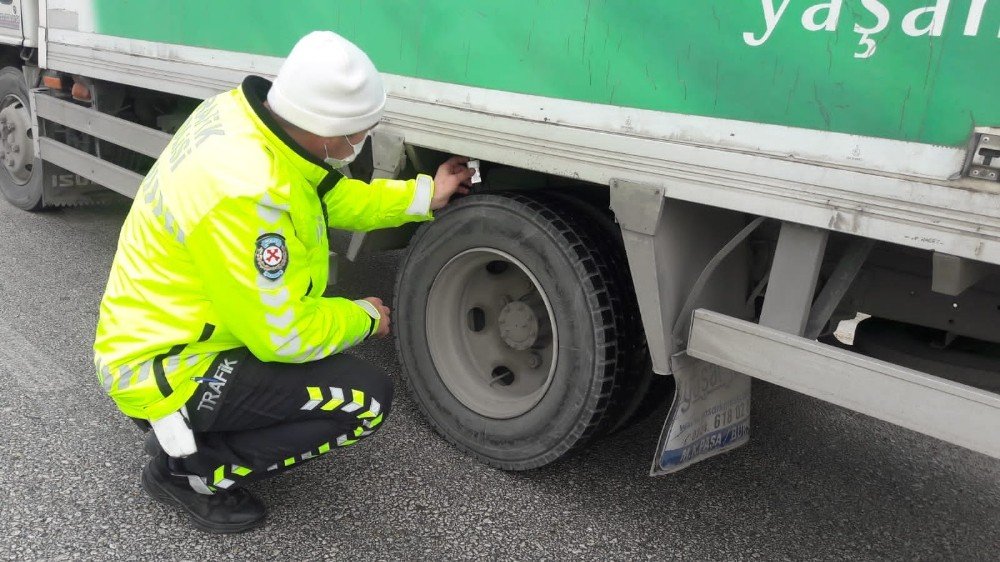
(271, 257)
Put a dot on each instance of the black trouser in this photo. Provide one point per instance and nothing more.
(252, 419)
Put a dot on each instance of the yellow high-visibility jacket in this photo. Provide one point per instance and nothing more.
(226, 246)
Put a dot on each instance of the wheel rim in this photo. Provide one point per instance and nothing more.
(16, 148)
(491, 333)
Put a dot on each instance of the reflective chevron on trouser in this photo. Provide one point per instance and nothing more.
(342, 441)
(372, 423)
(223, 475)
(315, 398)
(333, 398)
(374, 410)
(357, 401)
(336, 399)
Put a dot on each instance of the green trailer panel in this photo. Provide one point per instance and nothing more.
(898, 69)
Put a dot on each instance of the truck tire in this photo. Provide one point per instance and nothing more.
(21, 177)
(638, 390)
(506, 329)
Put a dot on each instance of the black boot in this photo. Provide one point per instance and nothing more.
(222, 512)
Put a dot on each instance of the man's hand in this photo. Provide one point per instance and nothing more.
(452, 177)
(384, 312)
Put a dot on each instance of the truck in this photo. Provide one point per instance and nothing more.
(676, 197)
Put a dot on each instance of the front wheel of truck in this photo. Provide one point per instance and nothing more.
(21, 170)
(506, 329)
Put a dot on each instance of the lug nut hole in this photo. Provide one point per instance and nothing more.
(477, 319)
(502, 376)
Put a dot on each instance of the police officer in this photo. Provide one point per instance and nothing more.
(213, 328)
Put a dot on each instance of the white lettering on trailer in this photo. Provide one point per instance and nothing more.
(874, 18)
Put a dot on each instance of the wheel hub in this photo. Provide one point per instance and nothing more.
(493, 339)
(16, 148)
(518, 325)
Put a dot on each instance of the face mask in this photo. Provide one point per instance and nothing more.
(336, 163)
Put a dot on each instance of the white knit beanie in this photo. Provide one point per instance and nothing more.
(328, 86)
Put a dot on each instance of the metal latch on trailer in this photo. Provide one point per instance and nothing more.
(985, 162)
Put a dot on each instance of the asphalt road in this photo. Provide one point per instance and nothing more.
(815, 481)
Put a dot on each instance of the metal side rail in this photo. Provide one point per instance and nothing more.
(133, 136)
(89, 166)
(954, 412)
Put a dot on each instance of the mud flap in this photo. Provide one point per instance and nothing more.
(710, 415)
(62, 188)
